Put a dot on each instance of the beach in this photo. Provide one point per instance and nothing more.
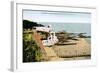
(79, 51)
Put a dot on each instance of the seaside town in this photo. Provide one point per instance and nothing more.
(41, 43)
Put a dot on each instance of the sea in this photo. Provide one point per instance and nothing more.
(71, 28)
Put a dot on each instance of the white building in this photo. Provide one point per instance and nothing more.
(44, 29)
(52, 39)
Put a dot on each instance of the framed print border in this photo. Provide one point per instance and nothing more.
(16, 49)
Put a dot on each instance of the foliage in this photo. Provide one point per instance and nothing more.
(31, 51)
(30, 24)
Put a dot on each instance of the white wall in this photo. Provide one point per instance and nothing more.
(5, 35)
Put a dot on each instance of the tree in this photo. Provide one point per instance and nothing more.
(30, 24)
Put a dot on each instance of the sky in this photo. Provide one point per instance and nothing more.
(61, 17)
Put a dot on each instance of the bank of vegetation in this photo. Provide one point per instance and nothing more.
(31, 51)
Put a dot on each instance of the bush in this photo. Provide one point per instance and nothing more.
(31, 51)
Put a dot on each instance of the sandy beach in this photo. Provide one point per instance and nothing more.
(79, 51)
